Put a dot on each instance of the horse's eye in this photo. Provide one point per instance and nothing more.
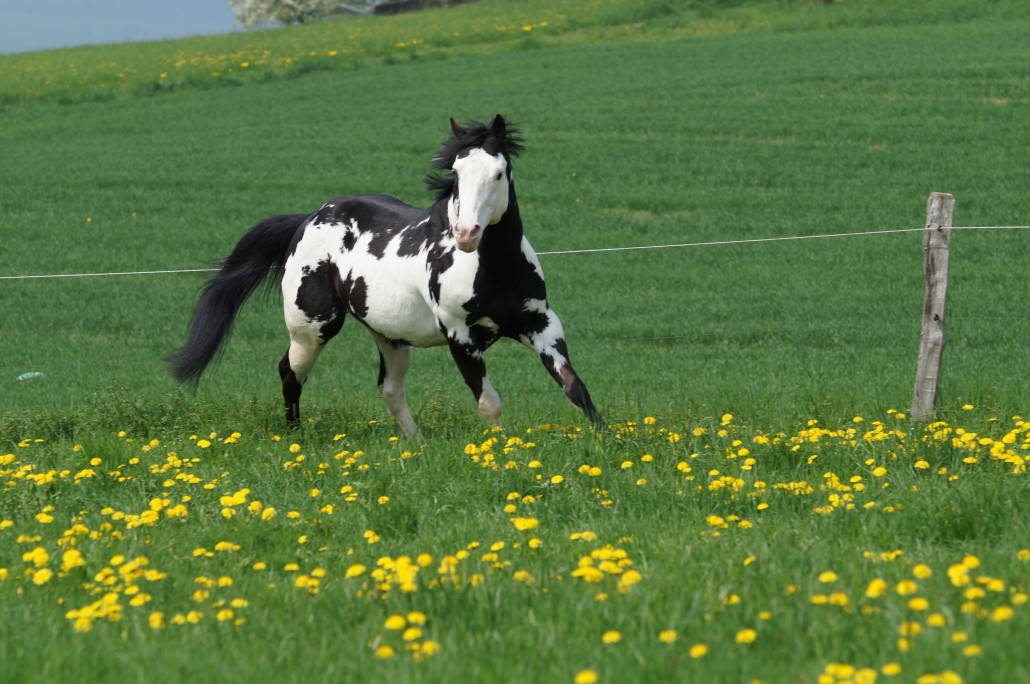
(500, 175)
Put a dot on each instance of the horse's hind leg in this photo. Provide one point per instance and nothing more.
(294, 369)
(394, 361)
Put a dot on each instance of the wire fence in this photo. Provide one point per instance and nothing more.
(596, 250)
(658, 338)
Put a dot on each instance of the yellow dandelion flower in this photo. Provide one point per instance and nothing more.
(891, 669)
(906, 587)
(611, 637)
(667, 636)
(395, 622)
(586, 677)
(746, 636)
(525, 523)
(698, 651)
(1002, 613)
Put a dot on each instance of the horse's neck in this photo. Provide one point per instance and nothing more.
(504, 238)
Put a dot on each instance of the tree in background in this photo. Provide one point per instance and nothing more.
(251, 13)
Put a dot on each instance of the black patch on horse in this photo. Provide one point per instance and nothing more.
(412, 240)
(316, 298)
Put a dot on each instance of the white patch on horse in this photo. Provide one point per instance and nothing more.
(456, 288)
(488, 323)
(397, 296)
(531, 257)
(545, 341)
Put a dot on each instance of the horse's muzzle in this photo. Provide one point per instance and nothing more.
(468, 239)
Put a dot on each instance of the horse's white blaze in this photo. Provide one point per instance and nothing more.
(482, 196)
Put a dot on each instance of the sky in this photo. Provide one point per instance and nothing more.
(27, 25)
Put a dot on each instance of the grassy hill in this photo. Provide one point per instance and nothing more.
(102, 73)
(760, 507)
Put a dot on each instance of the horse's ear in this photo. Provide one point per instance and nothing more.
(498, 127)
(457, 130)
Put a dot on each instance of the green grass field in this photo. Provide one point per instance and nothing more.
(760, 510)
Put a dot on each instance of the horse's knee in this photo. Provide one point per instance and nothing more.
(391, 394)
(489, 403)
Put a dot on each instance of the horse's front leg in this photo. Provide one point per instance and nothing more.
(468, 356)
(547, 338)
(394, 361)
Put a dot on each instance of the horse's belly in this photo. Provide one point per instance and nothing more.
(396, 306)
(404, 320)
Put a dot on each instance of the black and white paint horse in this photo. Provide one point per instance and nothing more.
(459, 273)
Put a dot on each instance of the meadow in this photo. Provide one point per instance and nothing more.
(760, 508)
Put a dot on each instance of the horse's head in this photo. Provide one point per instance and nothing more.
(479, 190)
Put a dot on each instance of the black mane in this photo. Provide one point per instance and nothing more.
(472, 135)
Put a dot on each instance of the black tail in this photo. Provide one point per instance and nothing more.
(259, 255)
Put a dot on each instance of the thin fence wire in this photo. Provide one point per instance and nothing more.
(658, 338)
(561, 252)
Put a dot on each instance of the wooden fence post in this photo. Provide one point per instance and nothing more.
(936, 243)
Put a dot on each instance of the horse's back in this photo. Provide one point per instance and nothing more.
(369, 212)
